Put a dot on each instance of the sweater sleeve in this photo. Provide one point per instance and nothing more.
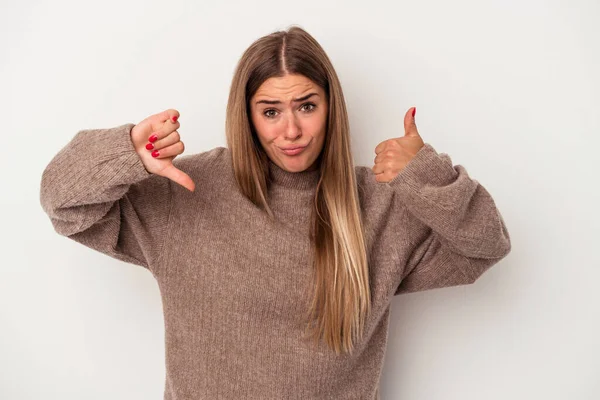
(97, 192)
(459, 231)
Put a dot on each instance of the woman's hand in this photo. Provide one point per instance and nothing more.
(394, 154)
(157, 142)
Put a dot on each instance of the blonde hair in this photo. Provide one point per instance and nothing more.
(342, 297)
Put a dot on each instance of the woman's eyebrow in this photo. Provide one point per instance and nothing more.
(294, 101)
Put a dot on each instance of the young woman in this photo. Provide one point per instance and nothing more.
(278, 234)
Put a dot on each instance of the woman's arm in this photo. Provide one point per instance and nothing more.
(97, 192)
(454, 221)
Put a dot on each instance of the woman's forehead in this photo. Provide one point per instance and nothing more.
(286, 88)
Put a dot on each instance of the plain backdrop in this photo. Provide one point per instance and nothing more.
(509, 89)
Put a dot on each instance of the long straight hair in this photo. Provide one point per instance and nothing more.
(342, 296)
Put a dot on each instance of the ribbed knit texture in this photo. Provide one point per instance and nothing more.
(235, 285)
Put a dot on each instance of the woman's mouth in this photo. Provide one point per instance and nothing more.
(293, 151)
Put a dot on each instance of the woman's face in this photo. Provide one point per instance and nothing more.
(290, 112)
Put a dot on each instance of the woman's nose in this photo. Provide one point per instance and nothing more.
(292, 129)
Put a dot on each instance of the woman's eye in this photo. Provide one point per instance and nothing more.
(272, 113)
(309, 104)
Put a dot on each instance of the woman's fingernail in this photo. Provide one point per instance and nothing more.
(153, 138)
(149, 146)
(155, 153)
(175, 118)
(414, 111)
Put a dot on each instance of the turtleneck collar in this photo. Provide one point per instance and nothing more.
(303, 180)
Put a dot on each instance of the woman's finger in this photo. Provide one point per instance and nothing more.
(178, 176)
(167, 141)
(169, 151)
(170, 114)
(164, 131)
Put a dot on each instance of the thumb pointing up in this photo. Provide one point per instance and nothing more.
(410, 127)
(395, 153)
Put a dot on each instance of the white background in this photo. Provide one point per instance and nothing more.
(509, 89)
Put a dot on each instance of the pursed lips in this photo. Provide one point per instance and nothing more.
(292, 148)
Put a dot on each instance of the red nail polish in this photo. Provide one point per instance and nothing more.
(149, 146)
(174, 118)
(153, 138)
(155, 153)
(414, 111)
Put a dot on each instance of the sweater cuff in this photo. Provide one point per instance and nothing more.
(426, 168)
(119, 151)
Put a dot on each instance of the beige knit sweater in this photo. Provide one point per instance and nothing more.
(234, 284)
